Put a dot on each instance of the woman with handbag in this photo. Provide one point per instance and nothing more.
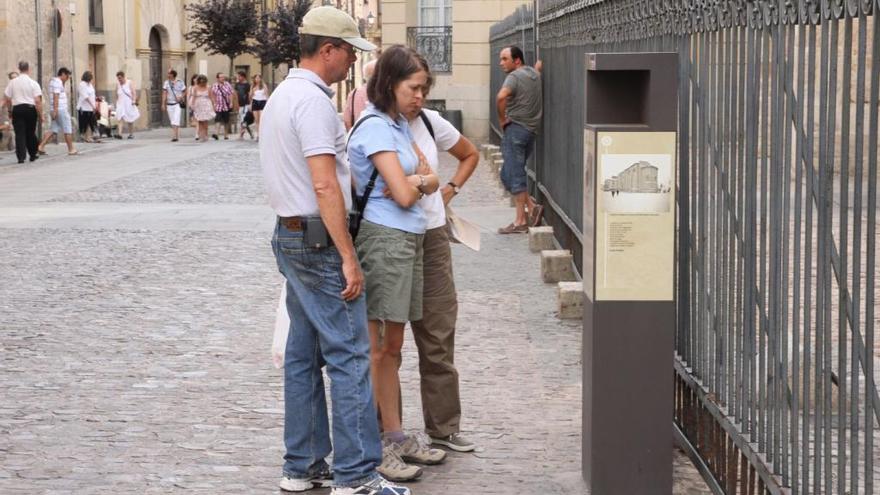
(391, 176)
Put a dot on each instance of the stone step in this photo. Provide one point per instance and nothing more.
(541, 239)
(556, 266)
(570, 300)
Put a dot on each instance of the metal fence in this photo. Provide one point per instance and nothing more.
(776, 356)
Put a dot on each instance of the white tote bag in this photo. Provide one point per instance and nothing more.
(282, 328)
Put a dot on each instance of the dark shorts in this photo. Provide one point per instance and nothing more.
(516, 146)
(222, 117)
(86, 120)
(258, 105)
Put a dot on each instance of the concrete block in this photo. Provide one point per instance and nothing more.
(570, 299)
(556, 266)
(489, 149)
(541, 239)
(497, 157)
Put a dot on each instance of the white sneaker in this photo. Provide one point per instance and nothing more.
(322, 479)
(393, 467)
(379, 486)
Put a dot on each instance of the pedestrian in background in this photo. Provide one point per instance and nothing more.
(357, 99)
(242, 98)
(126, 104)
(381, 152)
(7, 141)
(24, 97)
(201, 101)
(302, 153)
(189, 109)
(520, 108)
(86, 107)
(222, 92)
(259, 96)
(58, 110)
(173, 94)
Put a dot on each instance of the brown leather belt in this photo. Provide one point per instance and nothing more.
(294, 224)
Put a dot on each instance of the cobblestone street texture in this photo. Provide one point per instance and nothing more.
(137, 298)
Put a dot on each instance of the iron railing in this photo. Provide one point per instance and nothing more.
(434, 43)
(776, 356)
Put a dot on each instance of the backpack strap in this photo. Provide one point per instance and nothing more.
(427, 122)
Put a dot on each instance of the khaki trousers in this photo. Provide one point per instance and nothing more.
(434, 335)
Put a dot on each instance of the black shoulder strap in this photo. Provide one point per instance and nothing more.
(427, 122)
(362, 203)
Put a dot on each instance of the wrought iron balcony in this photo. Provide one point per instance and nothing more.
(434, 43)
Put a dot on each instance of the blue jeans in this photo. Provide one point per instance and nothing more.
(325, 330)
(517, 145)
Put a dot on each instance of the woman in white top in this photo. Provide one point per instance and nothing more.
(259, 96)
(126, 104)
(86, 107)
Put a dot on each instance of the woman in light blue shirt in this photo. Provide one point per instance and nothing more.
(389, 244)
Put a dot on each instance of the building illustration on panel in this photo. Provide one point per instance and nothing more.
(640, 177)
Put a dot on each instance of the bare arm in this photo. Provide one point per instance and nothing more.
(164, 100)
(424, 173)
(501, 104)
(539, 65)
(468, 156)
(332, 208)
(401, 190)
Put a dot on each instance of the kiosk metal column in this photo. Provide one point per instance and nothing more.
(629, 260)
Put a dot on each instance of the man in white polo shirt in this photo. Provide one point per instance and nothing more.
(24, 98)
(302, 152)
(58, 110)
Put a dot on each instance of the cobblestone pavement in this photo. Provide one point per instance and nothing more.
(135, 345)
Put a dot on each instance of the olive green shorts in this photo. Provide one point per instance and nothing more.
(392, 263)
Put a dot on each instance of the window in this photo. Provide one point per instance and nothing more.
(435, 12)
(96, 16)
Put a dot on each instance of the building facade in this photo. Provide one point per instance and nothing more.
(143, 38)
(454, 36)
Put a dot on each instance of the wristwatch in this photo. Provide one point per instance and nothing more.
(455, 187)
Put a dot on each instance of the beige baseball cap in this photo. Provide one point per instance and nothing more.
(332, 22)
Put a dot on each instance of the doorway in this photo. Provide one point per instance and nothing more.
(156, 114)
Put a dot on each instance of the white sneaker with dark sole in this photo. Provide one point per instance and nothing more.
(379, 486)
(455, 442)
(322, 480)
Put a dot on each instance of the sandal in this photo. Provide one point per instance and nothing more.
(74, 152)
(514, 229)
(535, 216)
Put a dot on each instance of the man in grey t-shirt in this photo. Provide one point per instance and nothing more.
(520, 108)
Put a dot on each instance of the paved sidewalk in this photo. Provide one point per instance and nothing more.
(137, 297)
